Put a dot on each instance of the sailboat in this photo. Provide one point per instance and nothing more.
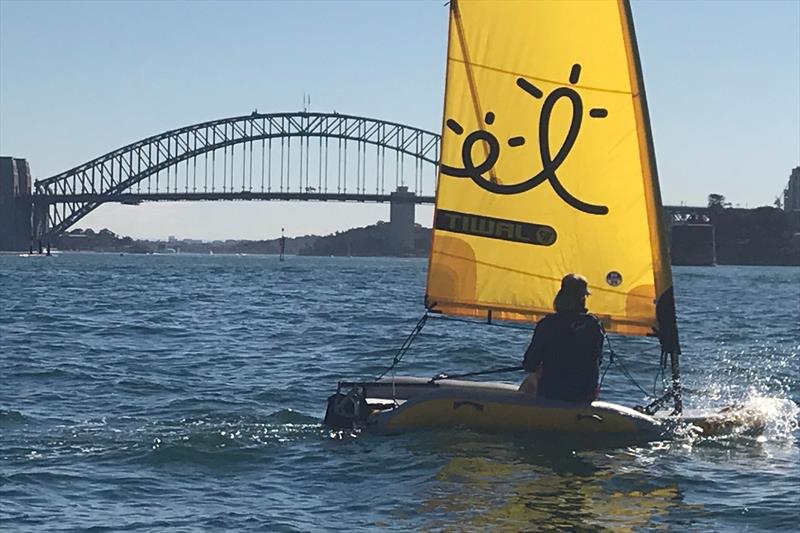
(547, 168)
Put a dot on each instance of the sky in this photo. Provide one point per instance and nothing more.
(79, 79)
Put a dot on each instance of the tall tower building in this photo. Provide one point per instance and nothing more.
(791, 198)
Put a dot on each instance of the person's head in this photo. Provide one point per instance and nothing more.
(572, 295)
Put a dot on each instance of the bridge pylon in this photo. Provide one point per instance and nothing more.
(401, 220)
(15, 204)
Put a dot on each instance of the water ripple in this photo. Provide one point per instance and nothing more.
(185, 393)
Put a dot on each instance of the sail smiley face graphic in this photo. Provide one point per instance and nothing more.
(550, 161)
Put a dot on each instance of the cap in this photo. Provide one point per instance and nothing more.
(575, 285)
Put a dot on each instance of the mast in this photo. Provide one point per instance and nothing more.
(665, 305)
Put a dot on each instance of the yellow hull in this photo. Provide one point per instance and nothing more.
(408, 403)
(417, 404)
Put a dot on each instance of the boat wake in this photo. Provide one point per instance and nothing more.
(211, 439)
(781, 416)
(758, 418)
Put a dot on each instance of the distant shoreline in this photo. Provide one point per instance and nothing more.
(754, 237)
(57, 252)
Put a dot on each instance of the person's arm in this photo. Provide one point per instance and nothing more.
(534, 355)
(601, 337)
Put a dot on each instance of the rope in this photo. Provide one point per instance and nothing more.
(610, 362)
(405, 346)
(613, 357)
(398, 356)
(657, 401)
(655, 379)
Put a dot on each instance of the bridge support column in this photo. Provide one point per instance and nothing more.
(15, 204)
(40, 228)
(401, 221)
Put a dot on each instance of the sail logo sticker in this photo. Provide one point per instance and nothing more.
(550, 163)
(614, 278)
(494, 228)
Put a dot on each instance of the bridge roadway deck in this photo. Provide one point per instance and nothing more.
(136, 198)
(679, 212)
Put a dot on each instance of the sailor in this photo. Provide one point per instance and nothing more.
(563, 359)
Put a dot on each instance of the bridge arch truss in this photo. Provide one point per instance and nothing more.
(249, 157)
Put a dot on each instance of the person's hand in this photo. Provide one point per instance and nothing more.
(530, 384)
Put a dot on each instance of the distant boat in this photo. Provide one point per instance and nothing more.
(51, 253)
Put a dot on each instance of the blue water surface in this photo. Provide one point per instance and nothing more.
(185, 393)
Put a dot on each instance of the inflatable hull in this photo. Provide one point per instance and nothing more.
(408, 403)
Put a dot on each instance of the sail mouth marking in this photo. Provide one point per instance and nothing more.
(494, 228)
(550, 163)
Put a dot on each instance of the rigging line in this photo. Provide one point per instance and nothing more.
(655, 380)
(613, 357)
(603, 377)
(398, 356)
(543, 80)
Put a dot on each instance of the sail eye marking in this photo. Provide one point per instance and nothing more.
(550, 163)
(455, 126)
(458, 129)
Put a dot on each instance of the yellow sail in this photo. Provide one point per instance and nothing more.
(547, 167)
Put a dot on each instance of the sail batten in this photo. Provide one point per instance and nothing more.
(547, 167)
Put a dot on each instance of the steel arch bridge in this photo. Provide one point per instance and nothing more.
(248, 157)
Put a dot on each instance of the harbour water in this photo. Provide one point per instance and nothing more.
(185, 393)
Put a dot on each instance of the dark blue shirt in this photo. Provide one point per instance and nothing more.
(569, 348)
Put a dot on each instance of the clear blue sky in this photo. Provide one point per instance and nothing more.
(78, 79)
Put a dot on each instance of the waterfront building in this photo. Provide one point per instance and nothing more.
(791, 198)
